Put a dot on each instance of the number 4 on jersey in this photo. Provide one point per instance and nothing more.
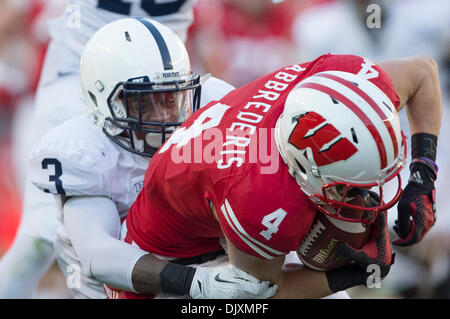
(210, 118)
(272, 221)
(368, 72)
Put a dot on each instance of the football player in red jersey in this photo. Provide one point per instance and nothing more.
(335, 126)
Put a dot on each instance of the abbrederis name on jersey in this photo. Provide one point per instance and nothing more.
(238, 139)
(264, 214)
(245, 126)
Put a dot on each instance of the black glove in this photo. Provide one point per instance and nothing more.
(417, 205)
(377, 251)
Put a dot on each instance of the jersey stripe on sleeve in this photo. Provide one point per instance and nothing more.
(263, 250)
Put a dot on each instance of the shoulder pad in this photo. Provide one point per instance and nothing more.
(72, 159)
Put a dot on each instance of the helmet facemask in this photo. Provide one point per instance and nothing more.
(146, 113)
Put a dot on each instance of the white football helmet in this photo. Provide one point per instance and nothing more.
(338, 133)
(137, 83)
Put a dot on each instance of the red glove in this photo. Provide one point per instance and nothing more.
(376, 251)
(417, 205)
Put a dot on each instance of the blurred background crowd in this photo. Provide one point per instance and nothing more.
(238, 41)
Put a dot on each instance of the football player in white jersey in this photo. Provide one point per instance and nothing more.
(138, 87)
(57, 100)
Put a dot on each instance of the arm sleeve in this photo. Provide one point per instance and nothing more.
(93, 225)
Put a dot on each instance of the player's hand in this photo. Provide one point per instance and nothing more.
(416, 208)
(376, 251)
(229, 282)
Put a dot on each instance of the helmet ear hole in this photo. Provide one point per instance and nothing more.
(127, 36)
(354, 136)
(93, 98)
(300, 166)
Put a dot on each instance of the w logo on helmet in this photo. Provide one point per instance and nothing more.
(325, 141)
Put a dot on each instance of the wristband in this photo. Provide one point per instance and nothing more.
(424, 145)
(346, 277)
(431, 165)
(176, 279)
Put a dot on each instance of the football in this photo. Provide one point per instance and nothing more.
(318, 249)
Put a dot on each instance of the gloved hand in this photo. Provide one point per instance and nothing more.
(417, 205)
(227, 282)
(376, 251)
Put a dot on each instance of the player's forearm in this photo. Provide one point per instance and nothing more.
(93, 226)
(113, 261)
(296, 284)
(146, 274)
(303, 283)
(424, 106)
(124, 266)
(416, 80)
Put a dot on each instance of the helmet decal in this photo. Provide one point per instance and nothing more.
(358, 112)
(326, 143)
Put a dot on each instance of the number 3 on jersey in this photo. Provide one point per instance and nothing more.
(55, 177)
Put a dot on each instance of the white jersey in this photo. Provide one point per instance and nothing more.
(77, 159)
(83, 18)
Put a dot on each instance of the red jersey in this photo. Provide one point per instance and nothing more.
(225, 156)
